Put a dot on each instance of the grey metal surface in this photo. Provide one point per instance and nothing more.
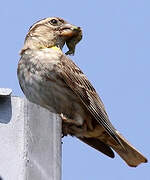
(30, 141)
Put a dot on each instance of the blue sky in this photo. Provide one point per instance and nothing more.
(115, 56)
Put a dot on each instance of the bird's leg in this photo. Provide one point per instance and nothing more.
(69, 121)
(70, 126)
(66, 123)
(65, 131)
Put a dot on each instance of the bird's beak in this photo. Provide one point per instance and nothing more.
(69, 30)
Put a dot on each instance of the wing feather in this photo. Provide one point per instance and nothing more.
(81, 86)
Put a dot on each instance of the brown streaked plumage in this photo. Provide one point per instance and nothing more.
(51, 79)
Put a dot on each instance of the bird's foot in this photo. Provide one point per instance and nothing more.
(69, 121)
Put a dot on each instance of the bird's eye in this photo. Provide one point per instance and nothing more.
(53, 21)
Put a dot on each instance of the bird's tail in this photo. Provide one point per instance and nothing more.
(127, 152)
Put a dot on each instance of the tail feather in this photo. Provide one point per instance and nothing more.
(125, 150)
(128, 153)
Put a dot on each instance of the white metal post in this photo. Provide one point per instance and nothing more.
(30, 140)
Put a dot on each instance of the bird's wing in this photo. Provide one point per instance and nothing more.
(81, 86)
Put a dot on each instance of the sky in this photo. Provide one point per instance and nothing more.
(114, 54)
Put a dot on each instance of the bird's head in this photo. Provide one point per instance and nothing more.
(51, 32)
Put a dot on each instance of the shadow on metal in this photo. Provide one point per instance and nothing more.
(5, 109)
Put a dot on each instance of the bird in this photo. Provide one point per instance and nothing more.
(49, 78)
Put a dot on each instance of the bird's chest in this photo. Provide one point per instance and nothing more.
(43, 86)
